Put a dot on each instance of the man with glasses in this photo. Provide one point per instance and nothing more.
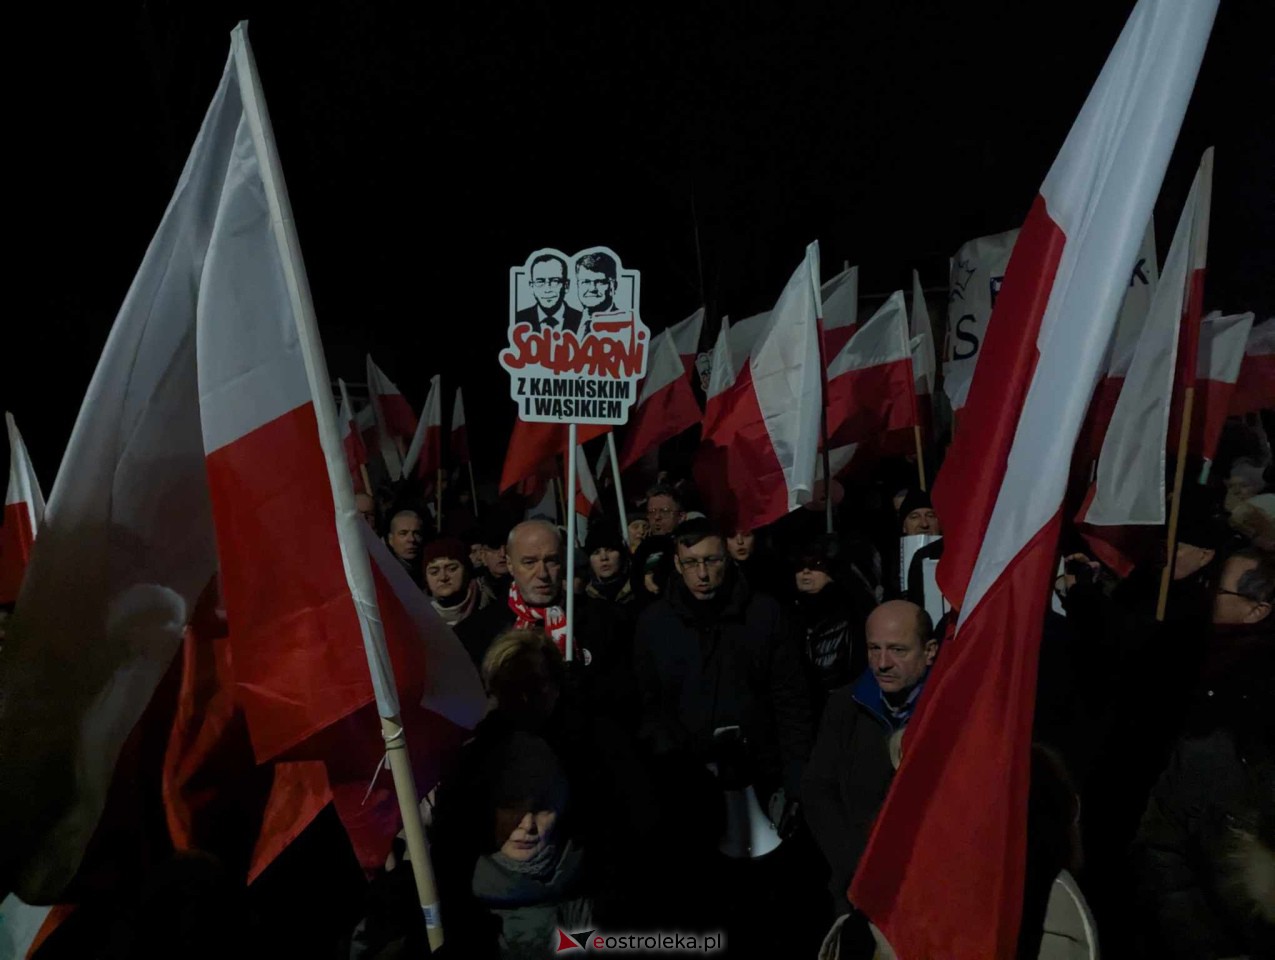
(549, 285)
(725, 703)
(597, 277)
(664, 511)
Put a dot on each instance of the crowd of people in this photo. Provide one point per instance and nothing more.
(714, 755)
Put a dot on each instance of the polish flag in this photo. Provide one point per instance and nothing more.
(352, 441)
(925, 365)
(23, 512)
(460, 433)
(210, 413)
(685, 335)
(24, 928)
(533, 447)
(870, 382)
(840, 297)
(1143, 282)
(943, 873)
(761, 420)
(665, 407)
(395, 421)
(1221, 355)
(1129, 487)
(1255, 386)
(426, 451)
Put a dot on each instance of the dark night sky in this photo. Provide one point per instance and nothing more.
(428, 147)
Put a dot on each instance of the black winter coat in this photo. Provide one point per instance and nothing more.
(697, 673)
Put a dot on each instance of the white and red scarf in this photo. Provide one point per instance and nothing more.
(552, 620)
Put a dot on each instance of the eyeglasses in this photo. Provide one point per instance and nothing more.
(595, 283)
(705, 563)
(554, 283)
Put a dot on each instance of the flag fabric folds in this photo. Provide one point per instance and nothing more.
(395, 421)
(425, 455)
(1255, 385)
(208, 441)
(666, 404)
(459, 444)
(871, 382)
(761, 420)
(1222, 344)
(23, 512)
(840, 297)
(352, 441)
(944, 868)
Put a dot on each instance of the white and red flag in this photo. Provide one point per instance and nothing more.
(685, 335)
(1129, 487)
(943, 872)
(977, 272)
(459, 444)
(666, 405)
(870, 382)
(23, 512)
(1255, 386)
(924, 365)
(762, 418)
(534, 447)
(352, 441)
(425, 455)
(207, 444)
(840, 297)
(395, 421)
(1222, 344)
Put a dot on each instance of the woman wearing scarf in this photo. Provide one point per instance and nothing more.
(449, 580)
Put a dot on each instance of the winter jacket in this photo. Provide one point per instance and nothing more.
(849, 774)
(734, 663)
(1210, 815)
(528, 911)
(834, 647)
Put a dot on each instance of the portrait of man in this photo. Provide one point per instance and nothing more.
(596, 283)
(549, 284)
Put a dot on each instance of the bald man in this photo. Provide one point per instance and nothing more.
(850, 769)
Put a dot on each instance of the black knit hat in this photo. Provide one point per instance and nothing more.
(527, 776)
(604, 535)
(915, 500)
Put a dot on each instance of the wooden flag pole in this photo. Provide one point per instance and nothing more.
(438, 502)
(569, 586)
(619, 489)
(473, 487)
(920, 454)
(367, 483)
(1175, 504)
(399, 762)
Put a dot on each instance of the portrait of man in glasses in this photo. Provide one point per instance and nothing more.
(597, 279)
(549, 284)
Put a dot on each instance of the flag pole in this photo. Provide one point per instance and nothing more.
(367, 482)
(920, 454)
(357, 563)
(571, 539)
(619, 488)
(1175, 504)
(473, 487)
(438, 502)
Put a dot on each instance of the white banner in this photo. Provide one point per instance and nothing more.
(977, 271)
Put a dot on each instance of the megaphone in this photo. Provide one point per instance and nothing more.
(749, 833)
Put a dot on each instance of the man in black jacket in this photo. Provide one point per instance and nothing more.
(713, 654)
(850, 768)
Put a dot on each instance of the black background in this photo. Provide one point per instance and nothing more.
(429, 147)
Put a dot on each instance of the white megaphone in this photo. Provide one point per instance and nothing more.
(749, 833)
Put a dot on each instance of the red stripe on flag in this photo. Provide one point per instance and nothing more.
(295, 639)
(460, 445)
(967, 487)
(1255, 388)
(863, 403)
(16, 539)
(662, 417)
(531, 444)
(937, 811)
(397, 415)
